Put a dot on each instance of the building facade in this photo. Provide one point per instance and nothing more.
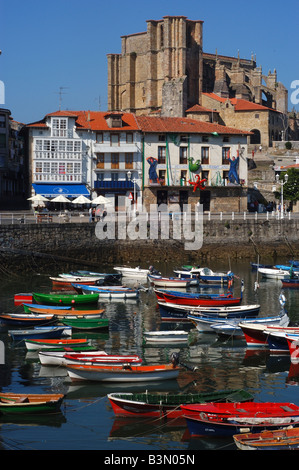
(116, 155)
(13, 164)
(136, 161)
(165, 71)
(178, 153)
(265, 124)
(84, 153)
(158, 70)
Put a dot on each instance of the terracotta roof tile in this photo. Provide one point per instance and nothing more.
(96, 121)
(183, 126)
(37, 124)
(295, 165)
(197, 108)
(240, 104)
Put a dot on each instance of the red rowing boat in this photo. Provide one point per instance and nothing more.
(23, 298)
(256, 334)
(102, 359)
(250, 409)
(293, 344)
(233, 418)
(194, 299)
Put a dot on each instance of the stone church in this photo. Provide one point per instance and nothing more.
(164, 71)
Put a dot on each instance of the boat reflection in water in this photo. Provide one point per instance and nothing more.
(207, 364)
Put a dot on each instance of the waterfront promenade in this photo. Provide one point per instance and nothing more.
(29, 217)
(226, 235)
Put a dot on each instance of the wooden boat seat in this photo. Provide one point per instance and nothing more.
(286, 408)
(170, 399)
(22, 400)
(12, 400)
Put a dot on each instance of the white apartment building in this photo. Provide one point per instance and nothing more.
(114, 154)
(185, 150)
(85, 152)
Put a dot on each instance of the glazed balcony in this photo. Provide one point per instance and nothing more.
(109, 184)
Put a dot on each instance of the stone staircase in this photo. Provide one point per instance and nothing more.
(261, 177)
(261, 172)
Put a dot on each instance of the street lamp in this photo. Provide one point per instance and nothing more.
(134, 181)
(282, 183)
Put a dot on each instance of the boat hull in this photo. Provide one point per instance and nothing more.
(233, 418)
(21, 404)
(86, 323)
(277, 274)
(37, 344)
(122, 374)
(113, 293)
(230, 326)
(198, 427)
(282, 439)
(22, 298)
(205, 275)
(71, 313)
(57, 299)
(254, 336)
(293, 344)
(277, 343)
(59, 283)
(107, 360)
(44, 308)
(165, 405)
(135, 273)
(290, 283)
(39, 333)
(197, 299)
(174, 312)
(26, 320)
(57, 358)
(111, 278)
(160, 281)
(176, 336)
(257, 335)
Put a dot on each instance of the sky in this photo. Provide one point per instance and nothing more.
(63, 45)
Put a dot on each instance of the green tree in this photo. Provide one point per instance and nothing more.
(291, 188)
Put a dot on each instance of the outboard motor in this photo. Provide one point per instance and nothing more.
(175, 359)
(153, 271)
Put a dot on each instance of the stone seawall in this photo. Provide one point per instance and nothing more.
(77, 245)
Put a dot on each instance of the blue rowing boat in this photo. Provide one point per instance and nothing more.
(40, 332)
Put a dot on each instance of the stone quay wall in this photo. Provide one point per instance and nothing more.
(77, 245)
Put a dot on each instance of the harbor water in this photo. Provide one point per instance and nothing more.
(87, 421)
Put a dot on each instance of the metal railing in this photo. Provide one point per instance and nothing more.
(27, 217)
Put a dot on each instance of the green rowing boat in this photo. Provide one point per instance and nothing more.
(21, 404)
(65, 299)
(86, 323)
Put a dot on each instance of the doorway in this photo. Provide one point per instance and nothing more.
(205, 199)
(183, 199)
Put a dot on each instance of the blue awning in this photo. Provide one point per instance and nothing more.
(109, 184)
(53, 190)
